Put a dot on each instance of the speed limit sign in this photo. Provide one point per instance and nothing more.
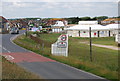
(63, 37)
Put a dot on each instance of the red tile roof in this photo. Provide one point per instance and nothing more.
(2, 19)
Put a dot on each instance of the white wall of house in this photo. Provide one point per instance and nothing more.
(66, 23)
(56, 30)
(59, 23)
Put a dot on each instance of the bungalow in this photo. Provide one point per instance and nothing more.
(57, 24)
(3, 24)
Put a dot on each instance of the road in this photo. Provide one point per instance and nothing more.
(42, 66)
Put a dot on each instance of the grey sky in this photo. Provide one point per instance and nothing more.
(58, 9)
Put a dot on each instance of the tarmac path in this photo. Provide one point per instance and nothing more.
(104, 46)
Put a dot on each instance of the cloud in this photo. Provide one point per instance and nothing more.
(58, 9)
(0, 9)
(60, 0)
(16, 4)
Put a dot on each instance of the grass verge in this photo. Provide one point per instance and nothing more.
(105, 61)
(13, 71)
(101, 40)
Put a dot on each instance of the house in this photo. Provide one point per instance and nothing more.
(111, 21)
(97, 30)
(60, 23)
(3, 24)
(57, 24)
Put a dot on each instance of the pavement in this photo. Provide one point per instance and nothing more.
(42, 66)
(107, 46)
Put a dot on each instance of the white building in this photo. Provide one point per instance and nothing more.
(60, 23)
(117, 38)
(58, 26)
(82, 30)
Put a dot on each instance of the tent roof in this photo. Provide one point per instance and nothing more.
(88, 22)
(93, 27)
(2, 19)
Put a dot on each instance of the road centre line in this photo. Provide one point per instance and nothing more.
(5, 49)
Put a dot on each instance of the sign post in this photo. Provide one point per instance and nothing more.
(90, 44)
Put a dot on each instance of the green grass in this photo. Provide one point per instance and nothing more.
(101, 40)
(13, 71)
(105, 61)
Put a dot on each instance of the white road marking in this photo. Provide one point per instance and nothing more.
(8, 57)
(5, 49)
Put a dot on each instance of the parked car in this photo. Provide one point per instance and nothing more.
(14, 30)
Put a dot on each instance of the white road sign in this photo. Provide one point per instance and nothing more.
(60, 48)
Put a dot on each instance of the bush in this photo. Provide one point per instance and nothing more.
(37, 33)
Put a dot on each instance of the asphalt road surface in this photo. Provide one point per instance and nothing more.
(44, 67)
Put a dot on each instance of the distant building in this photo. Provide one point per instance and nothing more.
(111, 21)
(3, 24)
(57, 24)
(82, 29)
(60, 23)
(88, 22)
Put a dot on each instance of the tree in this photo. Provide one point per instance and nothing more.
(94, 18)
(73, 20)
(85, 18)
(102, 18)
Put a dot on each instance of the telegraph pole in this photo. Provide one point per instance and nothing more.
(26, 28)
(26, 31)
(90, 44)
